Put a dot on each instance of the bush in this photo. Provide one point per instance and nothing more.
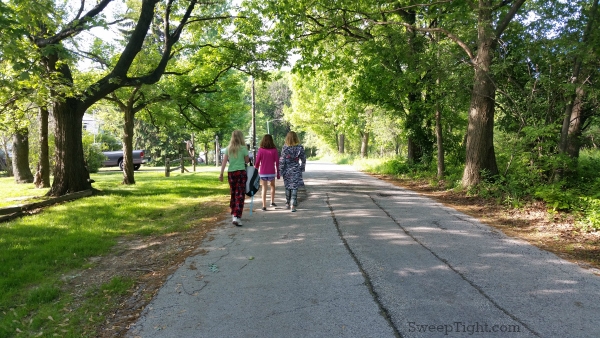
(556, 198)
(92, 153)
(591, 213)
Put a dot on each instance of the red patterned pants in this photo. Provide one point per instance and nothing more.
(237, 187)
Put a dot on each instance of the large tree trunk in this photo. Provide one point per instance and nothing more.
(480, 154)
(441, 167)
(21, 157)
(42, 176)
(570, 137)
(70, 173)
(364, 145)
(411, 150)
(128, 176)
(572, 124)
(341, 143)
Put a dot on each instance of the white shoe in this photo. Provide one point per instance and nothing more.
(237, 221)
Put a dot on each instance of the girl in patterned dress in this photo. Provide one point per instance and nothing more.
(292, 164)
(237, 156)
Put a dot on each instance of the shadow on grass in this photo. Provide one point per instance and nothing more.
(36, 250)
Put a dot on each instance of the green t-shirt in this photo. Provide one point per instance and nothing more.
(237, 163)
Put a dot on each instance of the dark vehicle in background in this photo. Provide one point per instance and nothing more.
(115, 159)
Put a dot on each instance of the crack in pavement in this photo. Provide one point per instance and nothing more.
(383, 311)
(455, 270)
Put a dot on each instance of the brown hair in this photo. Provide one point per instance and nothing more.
(292, 139)
(267, 142)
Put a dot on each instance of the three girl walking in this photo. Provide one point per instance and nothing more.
(290, 165)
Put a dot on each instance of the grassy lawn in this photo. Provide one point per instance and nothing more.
(16, 194)
(38, 251)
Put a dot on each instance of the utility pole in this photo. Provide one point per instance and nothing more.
(253, 142)
(217, 151)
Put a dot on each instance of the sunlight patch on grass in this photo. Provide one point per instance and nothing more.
(36, 250)
(17, 194)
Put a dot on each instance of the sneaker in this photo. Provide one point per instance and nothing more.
(264, 209)
(237, 221)
(294, 208)
(273, 204)
(287, 206)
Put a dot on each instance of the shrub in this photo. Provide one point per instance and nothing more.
(591, 213)
(556, 198)
(92, 153)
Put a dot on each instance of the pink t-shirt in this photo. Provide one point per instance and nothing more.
(267, 162)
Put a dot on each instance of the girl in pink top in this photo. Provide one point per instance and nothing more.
(267, 164)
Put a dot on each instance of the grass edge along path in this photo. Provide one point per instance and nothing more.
(50, 277)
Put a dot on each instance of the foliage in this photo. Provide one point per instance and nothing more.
(591, 214)
(556, 198)
(92, 153)
(38, 251)
(272, 97)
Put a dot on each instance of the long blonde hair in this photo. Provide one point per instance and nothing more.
(291, 139)
(236, 142)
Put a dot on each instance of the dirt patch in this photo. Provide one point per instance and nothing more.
(148, 261)
(554, 232)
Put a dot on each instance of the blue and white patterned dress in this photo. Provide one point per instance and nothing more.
(290, 167)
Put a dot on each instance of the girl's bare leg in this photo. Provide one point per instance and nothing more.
(263, 192)
(272, 192)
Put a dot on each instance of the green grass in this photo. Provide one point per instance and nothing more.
(16, 194)
(35, 251)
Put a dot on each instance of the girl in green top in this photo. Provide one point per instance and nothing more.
(237, 156)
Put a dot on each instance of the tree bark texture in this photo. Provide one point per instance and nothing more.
(572, 125)
(341, 143)
(128, 176)
(570, 136)
(410, 150)
(441, 167)
(480, 153)
(21, 168)
(364, 145)
(70, 173)
(42, 176)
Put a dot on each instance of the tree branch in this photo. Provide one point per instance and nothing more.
(432, 30)
(73, 27)
(508, 18)
(187, 118)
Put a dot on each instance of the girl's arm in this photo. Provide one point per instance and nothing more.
(277, 164)
(302, 157)
(258, 159)
(225, 159)
(282, 161)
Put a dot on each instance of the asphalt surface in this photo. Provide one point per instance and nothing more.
(363, 258)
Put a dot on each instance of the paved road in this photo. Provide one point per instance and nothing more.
(363, 258)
